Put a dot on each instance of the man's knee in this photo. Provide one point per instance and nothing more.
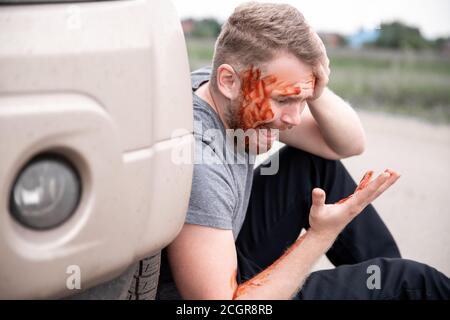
(300, 156)
(403, 267)
(416, 280)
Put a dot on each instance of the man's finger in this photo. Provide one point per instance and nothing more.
(363, 196)
(321, 80)
(327, 68)
(318, 197)
(365, 180)
(377, 187)
(320, 73)
(394, 176)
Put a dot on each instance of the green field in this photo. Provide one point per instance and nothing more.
(414, 84)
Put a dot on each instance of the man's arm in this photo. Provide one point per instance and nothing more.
(204, 261)
(204, 264)
(339, 123)
(330, 128)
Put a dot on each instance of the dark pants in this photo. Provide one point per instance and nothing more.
(278, 210)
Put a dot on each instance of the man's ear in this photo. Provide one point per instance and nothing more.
(228, 81)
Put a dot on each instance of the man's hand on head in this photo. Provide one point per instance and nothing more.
(321, 71)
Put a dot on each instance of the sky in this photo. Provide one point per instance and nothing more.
(342, 16)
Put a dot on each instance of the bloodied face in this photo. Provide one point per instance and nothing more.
(271, 99)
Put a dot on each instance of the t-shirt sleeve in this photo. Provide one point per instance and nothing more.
(212, 202)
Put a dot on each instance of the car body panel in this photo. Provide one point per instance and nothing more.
(106, 85)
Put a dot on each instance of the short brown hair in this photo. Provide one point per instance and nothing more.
(255, 32)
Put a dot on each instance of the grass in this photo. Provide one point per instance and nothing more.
(407, 83)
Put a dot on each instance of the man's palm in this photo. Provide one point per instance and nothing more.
(330, 219)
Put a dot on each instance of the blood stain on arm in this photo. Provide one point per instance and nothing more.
(261, 278)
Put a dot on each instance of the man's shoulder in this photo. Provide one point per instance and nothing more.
(200, 76)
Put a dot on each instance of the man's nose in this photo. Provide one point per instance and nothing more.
(292, 115)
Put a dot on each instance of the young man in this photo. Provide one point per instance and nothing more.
(241, 239)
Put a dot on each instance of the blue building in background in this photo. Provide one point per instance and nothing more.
(363, 37)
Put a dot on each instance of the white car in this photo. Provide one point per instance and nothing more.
(92, 97)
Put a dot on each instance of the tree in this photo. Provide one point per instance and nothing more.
(206, 28)
(397, 35)
(441, 43)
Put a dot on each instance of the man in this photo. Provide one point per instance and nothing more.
(241, 239)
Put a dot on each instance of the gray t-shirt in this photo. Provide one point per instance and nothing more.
(220, 188)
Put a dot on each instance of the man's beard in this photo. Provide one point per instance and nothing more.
(233, 117)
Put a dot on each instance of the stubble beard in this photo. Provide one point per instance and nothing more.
(233, 117)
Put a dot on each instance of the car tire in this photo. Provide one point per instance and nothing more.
(145, 279)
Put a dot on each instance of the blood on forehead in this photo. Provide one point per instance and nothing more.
(256, 92)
